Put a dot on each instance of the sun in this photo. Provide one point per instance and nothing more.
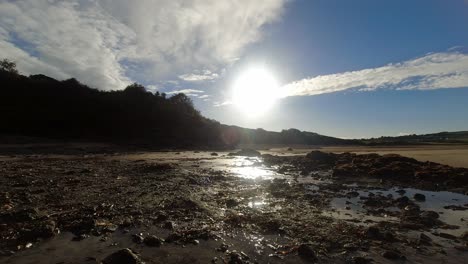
(255, 91)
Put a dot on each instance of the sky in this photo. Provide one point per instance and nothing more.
(349, 69)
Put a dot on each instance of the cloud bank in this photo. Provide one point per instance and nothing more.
(433, 71)
(109, 43)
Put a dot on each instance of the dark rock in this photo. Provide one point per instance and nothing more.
(320, 156)
(447, 236)
(352, 194)
(360, 260)
(235, 258)
(153, 241)
(430, 214)
(402, 201)
(123, 256)
(307, 252)
(223, 248)
(169, 225)
(419, 197)
(137, 238)
(230, 203)
(214, 154)
(424, 239)
(390, 254)
(80, 237)
(246, 153)
(373, 232)
(464, 236)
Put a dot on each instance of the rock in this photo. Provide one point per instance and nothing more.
(430, 214)
(137, 238)
(235, 258)
(169, 225)
(80, 237)
(153, 241)
(424, 239)
(402, 201)
(419, 197)
(223, 248)
(390, 254)
(447, 236)
(389, 236)
(307, 252)
(123, 256)
(214, 154)
(373, 232)
(246, 153)
(320, 156)
(352, 194)
(290, 149)
(464, 236)
(231, 202)
(360, 260)
(401, 192)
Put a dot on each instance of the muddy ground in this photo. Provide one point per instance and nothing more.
(111, 205)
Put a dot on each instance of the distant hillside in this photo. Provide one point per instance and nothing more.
(41, 106)
(459, 137)
(286, 137)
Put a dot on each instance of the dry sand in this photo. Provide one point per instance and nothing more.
(453, 155)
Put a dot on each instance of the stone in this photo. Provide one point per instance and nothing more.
(307, 252)
(137, 238)
(246, 153)
(373, 232)
(360, 260)
(430, 214)
(419, 197)
(123, 256)
(153, 241)
(424, 239)
(390, 254)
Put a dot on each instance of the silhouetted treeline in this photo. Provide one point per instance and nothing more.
(42, 106)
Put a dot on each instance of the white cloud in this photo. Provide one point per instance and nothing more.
(433, 71)
(219, 104)
(188, 92)
(204, 96)
(206, 75)
(152, 88)
(105, 43)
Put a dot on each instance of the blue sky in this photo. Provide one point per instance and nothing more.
(345, 68)
(326, 37)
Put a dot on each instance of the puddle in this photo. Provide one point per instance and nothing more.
(348, 208)
(244, 167)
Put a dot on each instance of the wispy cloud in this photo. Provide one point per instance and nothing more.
(433, 71)
(110, 43)
(188, 92)
(224, 103)
(206, 75)
(204, 96)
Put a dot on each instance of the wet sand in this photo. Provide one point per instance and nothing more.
(213, 207)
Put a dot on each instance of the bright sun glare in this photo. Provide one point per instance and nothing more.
(255, 91)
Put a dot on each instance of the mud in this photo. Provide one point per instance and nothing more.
(198, 207)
